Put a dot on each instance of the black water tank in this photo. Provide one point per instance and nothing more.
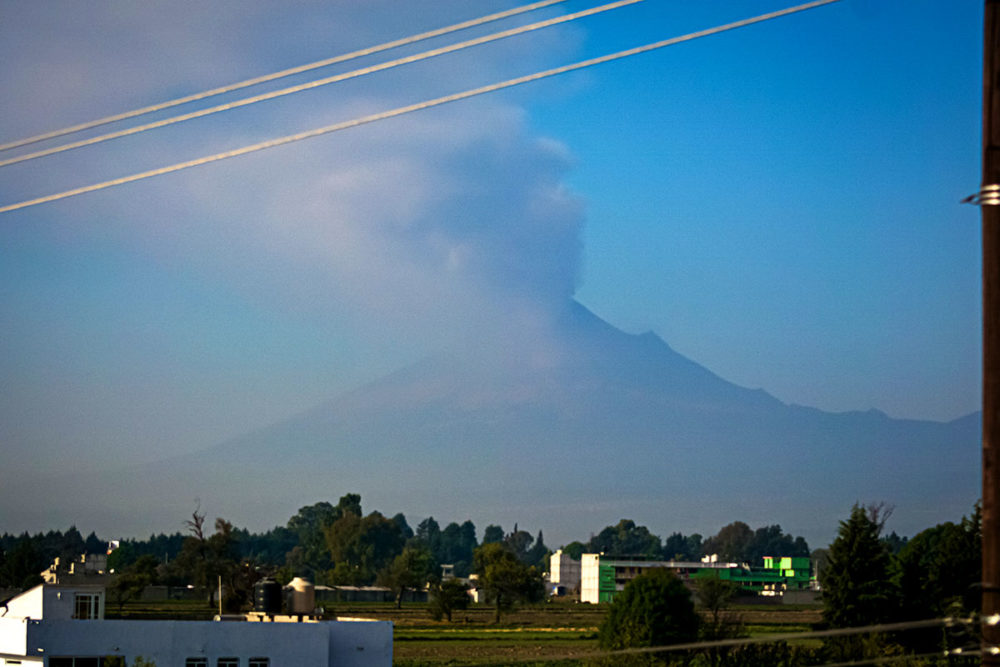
(267, 596)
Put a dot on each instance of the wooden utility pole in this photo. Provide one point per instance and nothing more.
(989, 200)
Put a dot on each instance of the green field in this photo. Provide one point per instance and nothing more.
(550, 634)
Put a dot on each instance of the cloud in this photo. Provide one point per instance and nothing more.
(440, 225)
(446, 229)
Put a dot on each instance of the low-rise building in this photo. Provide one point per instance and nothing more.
(64, 626)
(564, 573)
(602, 577)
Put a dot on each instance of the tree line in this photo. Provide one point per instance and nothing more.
(340, 545)
(735, 542)
(869, 579)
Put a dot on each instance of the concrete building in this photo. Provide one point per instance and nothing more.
(85, 569)
(564, 574)
(602, 577)
(64, 626)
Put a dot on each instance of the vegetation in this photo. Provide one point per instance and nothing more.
(446, 597)
(506, 580)
(857, 589)
(714, 593)
(655, 609)
(936, 573)
(410, 570)
(868, 578)
(736, 542)
(130, 583)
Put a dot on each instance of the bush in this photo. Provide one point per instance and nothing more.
(655, 609)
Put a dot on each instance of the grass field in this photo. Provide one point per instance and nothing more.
(550, 634)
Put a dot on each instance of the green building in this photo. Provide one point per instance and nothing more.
(601, 577)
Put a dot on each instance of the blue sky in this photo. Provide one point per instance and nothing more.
(779, 203)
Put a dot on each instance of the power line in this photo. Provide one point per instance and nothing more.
(415, 107)
(283, 73)
(320, 82)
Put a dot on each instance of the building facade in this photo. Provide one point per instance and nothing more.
(602, 577)
(64, 626)
(564, 574)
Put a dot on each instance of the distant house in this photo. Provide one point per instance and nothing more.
(64, 626)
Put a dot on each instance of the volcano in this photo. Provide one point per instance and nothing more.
(603, 425)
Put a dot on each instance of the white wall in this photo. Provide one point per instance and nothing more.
(590, 578)
(360, 644)
(13, 635)
(170, 642)
(26, 605)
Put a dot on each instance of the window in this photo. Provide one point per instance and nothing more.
(196, 662)
(260, 662)
(86, 606)
(228, 662)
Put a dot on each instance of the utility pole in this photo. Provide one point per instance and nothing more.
(989, 200)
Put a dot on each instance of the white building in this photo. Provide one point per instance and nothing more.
(601, 577)
(64, 626)
(564, 573)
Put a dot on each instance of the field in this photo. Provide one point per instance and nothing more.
(551, 634)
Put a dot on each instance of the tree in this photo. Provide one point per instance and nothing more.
(22, 564)
(428, 535)
(938, 573)
(123, 556)
(308, 524)
(204, 559)
(856, 586)
(455, 545)
(574, 550)
(538, 553)
(731, 543)
(626, 539)
(857, 589)
(655, 609)
(679, 547)
(130, 583)
(493, 534)
(506, 580)
(363, 545)
(446, 597)
(771, 541)
(519, 542)
(95, 545)
(408, 571)
(404, 528)
(714, 593)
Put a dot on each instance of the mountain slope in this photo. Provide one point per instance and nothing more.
(599, 425)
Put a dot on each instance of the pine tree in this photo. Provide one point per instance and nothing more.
(857, 589)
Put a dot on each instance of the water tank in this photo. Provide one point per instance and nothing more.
(267, 596)
(302, 598)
